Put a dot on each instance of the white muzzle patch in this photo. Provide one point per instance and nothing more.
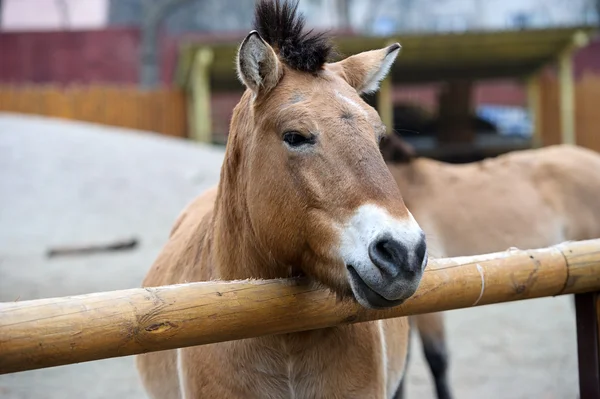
(384, 256)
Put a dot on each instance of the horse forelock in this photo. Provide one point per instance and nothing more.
(280, 25)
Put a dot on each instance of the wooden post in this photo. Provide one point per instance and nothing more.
(566, 87)
(534, 105)
(385, 104)
(385, 100)
(567, 98)
(57, 331)
(588, 355)
(199, 106)
(455, 104)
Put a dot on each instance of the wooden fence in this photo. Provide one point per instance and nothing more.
(587, 116)
(165, 110)
(162, 111)
(50, 332)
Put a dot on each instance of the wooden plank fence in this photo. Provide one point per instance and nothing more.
(161, 110)
(165, 110)
(50, 332)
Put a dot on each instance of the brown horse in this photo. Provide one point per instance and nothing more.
(303, 190)
(526, 199)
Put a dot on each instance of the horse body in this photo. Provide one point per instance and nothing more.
(303, 190)
(526, 199)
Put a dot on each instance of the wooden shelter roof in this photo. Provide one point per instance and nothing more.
(426, 57)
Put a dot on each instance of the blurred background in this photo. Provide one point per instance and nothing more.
(484, 74)
(114, 115)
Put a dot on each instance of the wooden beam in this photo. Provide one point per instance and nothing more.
(534, 105)
(567, 87)
(588, 355)
(454, 110)
(385, 104)
(566, 98)
(385, 98)
(199, 106)
(598, 320)
(52, 332)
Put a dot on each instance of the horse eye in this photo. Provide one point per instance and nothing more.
(295, 139)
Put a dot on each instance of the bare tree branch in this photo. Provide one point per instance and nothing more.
(153, 15)
(342, 8)
(372, 13)
(119, 245)
(63, 11)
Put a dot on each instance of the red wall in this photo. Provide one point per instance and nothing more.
(588, 59)
(102, 56)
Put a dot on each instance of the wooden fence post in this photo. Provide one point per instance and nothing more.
(385, 100)
(567, 90)
(588, 356)
(200, 111)
(534, 105)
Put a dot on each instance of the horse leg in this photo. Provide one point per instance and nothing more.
(431, 331)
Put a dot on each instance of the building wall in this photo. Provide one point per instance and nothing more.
(67, 57)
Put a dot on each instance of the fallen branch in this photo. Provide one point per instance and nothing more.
(121, 245)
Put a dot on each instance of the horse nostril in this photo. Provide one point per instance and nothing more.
(421, 252)
(384, 249)
(388, 255)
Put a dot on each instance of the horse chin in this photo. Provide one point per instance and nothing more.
(348, 287)
(368, 297)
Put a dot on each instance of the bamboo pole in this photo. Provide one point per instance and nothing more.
(51, 332)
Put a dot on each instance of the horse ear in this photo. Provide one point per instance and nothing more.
(257, 64)
(365, 70)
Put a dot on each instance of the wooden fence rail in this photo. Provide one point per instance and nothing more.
(162, 110)
(50, 332)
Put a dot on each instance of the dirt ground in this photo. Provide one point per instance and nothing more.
(64, 183)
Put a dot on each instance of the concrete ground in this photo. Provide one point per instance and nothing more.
(64, 183)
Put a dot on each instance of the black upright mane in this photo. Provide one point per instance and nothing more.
(279, 25)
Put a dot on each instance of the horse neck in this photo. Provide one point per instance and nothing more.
(235, 250)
